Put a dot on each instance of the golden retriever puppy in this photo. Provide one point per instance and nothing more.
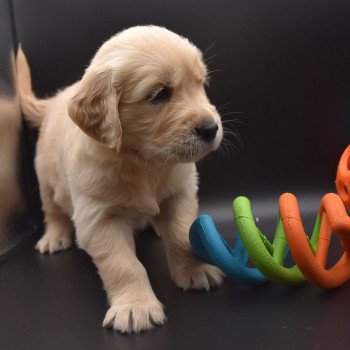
(116, 151)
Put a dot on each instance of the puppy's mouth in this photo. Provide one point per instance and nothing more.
(189, 147)
(193, 148)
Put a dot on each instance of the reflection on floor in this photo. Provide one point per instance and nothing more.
(57, 302)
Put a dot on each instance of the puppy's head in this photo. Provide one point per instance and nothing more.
(144, 91)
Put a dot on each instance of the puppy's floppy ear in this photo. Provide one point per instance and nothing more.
(94, 108)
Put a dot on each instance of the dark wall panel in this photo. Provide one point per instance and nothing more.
(283, 67)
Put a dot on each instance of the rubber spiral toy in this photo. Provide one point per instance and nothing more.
(311, 259)
(342, 181)
(309, 254)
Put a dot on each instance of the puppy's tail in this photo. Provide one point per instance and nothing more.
(33, 108)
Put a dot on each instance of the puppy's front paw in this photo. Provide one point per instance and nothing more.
(51, 243)
(135, 315)
(195, 274)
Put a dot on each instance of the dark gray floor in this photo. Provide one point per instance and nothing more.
(57, 302)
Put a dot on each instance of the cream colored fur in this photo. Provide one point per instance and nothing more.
(110, 161)
(11, 198)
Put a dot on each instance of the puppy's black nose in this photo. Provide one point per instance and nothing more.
(207, 131)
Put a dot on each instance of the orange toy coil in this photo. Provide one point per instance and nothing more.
(333, 219)
(342, 181)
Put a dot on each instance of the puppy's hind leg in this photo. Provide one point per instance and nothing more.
(59, 227)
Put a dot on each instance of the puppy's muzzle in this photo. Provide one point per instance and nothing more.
(207, 131)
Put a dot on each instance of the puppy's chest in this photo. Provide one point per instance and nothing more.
(147, 191)
(137, 192)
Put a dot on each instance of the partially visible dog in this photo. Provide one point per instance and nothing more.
(116, 151)
(11, 198)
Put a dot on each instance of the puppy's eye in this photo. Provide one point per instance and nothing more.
(161, 94)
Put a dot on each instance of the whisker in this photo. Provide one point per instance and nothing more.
(232, 113)
(223, 105)
(209, 47)
(226, 147)
(230, 123)
(209, 59)
(230, 127)
(232, 120)
(229, 131)
(214, 71)
(234, 133)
